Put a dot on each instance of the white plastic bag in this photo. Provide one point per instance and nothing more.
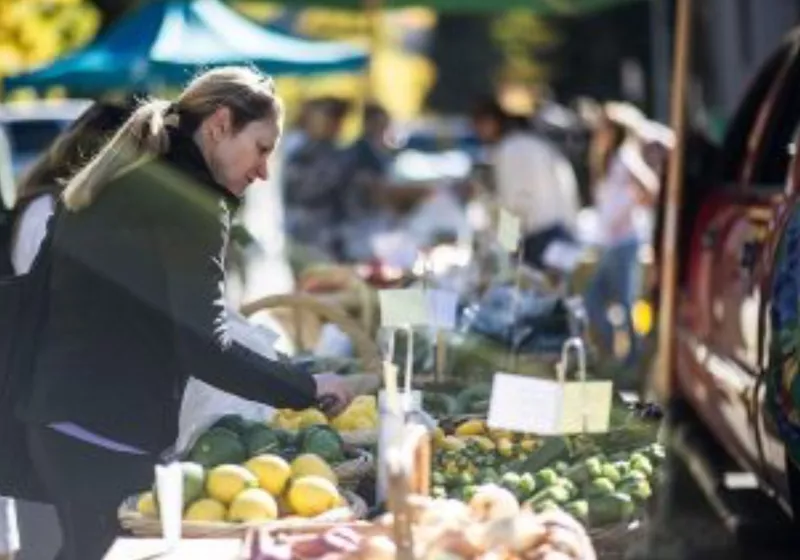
(204, 404)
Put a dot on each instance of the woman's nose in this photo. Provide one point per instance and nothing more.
(263, 170)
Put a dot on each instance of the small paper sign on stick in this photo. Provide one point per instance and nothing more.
(169, 485)
(400, 308)
(442, 306)
(545, 407)
(509, 230)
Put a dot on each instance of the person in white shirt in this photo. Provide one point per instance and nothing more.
(625, 192)
(532, 179)
(38, 189)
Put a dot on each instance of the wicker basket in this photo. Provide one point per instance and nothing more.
(360, 438)
(613, 542)
(352, 471)
(139, 525)
(304, 306)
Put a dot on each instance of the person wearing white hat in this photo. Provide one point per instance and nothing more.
(626, 189)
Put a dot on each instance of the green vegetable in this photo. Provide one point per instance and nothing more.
(571, 487)
(323, 441)
(552, 450)
(546, 477)
(260, 439)
(439, 404)
(527, 484)
(234, 423)
(438, 492)
(561, 467)
(600, 487)
(579, 509)
(556, 493)
(641, 463)
(545, 505)
(217, 446)
(474, 399)
(613, 508)
(610, 472)
(639, 490)
(510, 480)
(585, 471)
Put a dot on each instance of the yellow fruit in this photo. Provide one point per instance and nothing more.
(253, 504)
(146, 505)
(206, 509)
(528, 444)
(500, 434)
(312, 417)
(484, 442)
(361, 423)
(309, 464)
(311, 496)
(438, 435)
(367, 401)
(471, 428)
(272, 472)
(225, 482)
(505, 448)
(452, 443)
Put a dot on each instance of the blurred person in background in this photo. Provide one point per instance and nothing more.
(311, 197)
(532, 179)
(627, 186)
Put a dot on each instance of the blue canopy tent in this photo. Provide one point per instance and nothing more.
(166, 41)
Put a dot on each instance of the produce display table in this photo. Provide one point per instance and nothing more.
(154, 549)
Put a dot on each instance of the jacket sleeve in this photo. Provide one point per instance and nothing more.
(194, 275)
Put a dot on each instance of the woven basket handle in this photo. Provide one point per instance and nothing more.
(365, 348)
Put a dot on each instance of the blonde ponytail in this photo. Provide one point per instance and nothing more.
(248, 94)
(143, 134)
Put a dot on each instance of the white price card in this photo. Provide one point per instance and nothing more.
(169, 485)
(442, 307)
(509, 230)
(547, 407)
(400, 308)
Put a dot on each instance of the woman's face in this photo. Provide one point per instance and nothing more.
(237, 159)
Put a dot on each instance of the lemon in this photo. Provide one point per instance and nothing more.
(253, 504)
(312, 417)
(225, 482)
(309, 464)
(146, 505)
(273, 472)
(311, 496)
(206, 509)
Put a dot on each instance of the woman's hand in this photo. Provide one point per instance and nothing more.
(333, 393)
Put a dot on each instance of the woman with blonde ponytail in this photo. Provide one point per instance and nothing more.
(135, 300)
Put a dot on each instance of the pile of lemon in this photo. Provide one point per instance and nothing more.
(361, 414)
(265, 488)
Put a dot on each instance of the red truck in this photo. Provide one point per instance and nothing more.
(738, 333)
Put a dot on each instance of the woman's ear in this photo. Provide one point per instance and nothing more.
(219, 123)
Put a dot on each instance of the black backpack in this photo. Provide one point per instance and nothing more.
(23, 311)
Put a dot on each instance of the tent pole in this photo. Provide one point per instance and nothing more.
(663, 381)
